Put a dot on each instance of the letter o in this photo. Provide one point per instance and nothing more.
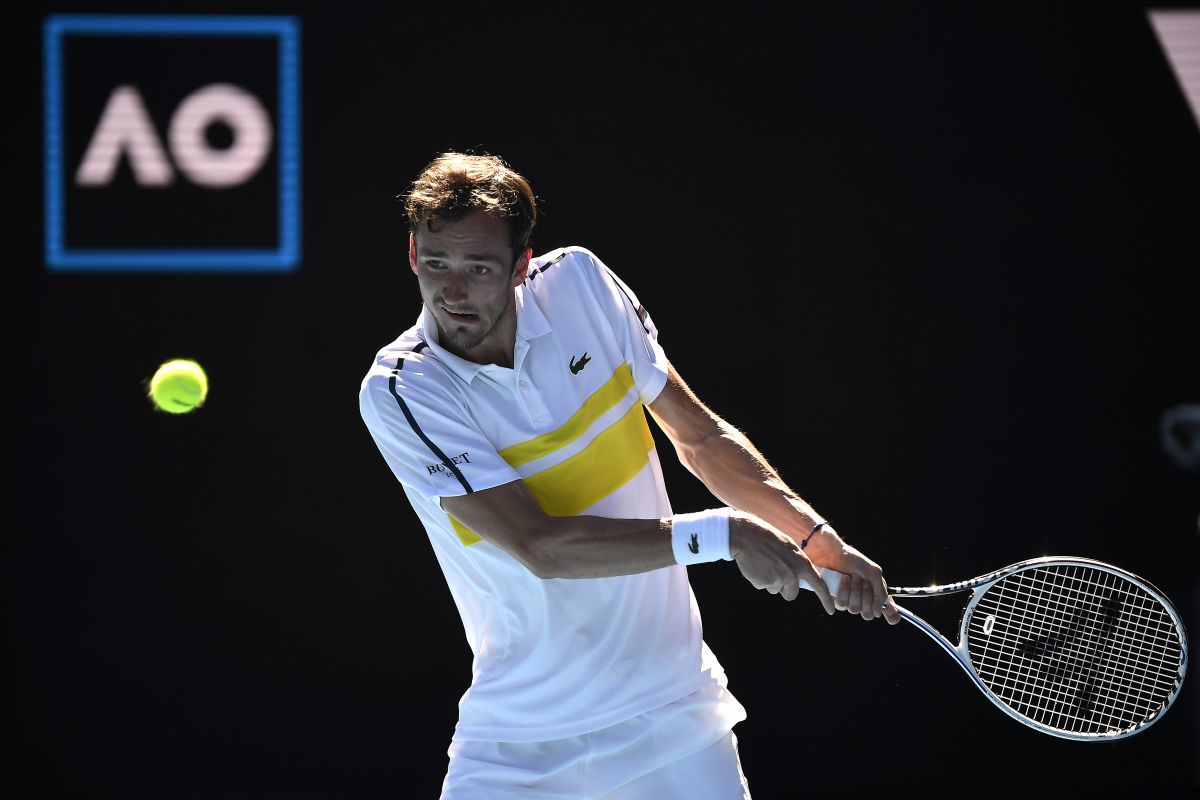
(252, 134)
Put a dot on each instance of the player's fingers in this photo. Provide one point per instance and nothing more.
(871, 603)
(875, 607)
(856, 592)
(879, 594)
(808, 574)
(843, 595)
(869, 609)
(890, 612)
(886, 607)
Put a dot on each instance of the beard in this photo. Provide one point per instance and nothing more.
(463, 338)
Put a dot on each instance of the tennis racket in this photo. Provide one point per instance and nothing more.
(1071, 647)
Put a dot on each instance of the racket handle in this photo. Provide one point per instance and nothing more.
(832, 578)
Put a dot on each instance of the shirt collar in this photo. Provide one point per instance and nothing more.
(531, 323)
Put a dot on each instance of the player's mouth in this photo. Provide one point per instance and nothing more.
(460, 316)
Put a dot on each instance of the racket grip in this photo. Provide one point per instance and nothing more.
(832, 578)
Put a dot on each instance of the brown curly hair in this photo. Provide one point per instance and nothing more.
(455, 184)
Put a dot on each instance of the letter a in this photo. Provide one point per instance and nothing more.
(125, 127)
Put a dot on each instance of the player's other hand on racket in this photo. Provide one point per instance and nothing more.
(863, 590)
(770, 560)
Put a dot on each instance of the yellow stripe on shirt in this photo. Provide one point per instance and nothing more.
(600, 401)
(606, 464)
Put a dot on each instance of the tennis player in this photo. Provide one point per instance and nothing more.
(512, 415)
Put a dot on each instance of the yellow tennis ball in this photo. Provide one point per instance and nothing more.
(179, 386)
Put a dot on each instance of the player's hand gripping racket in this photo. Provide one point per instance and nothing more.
(1069, 646)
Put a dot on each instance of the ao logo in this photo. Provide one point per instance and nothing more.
(172, 143)
(125, 129)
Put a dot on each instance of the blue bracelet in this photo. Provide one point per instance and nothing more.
(818, 527)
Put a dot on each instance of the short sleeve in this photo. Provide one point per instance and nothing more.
(431, 446)
(634, 327)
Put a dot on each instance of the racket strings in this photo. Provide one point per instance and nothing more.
(1075, 648)
(1070, 668)
(1080, 676)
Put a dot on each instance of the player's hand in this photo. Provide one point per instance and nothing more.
(770, 560)
(863, 591)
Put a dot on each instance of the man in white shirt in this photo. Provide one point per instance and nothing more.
(513, 416)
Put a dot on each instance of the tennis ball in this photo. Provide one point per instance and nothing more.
(179, 386)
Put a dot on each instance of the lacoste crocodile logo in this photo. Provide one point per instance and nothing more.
(576, 366)
(694, 544)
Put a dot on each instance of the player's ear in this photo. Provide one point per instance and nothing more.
(412, 253)
(521, 269)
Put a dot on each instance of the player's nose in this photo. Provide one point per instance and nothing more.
(454, 288)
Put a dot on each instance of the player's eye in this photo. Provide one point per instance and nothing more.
(479, 269)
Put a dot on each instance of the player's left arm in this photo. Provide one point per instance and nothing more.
(733, 469)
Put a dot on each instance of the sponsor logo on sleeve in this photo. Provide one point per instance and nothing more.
(461, 458)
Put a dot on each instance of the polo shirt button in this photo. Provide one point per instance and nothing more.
(524, 384)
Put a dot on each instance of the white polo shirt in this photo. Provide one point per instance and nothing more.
(560, 657)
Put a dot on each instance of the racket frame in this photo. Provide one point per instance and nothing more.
(978, 587)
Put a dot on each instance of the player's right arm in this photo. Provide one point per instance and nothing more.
(419, 427)
(509, 517)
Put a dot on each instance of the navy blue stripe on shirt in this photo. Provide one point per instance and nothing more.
(638, 311)
(534, 273)
(437, 451)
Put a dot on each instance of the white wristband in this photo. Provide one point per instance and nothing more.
(701, 536)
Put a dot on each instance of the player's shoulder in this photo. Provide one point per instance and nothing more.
(573, 263)
(576, 270)
(407, 363)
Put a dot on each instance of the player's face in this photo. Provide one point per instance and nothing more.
(465, 270)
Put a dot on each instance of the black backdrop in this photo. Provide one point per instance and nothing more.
(938, 261)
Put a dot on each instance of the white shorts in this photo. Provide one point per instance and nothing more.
(685, 749)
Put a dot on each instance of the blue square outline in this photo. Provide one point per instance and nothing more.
(282, 259)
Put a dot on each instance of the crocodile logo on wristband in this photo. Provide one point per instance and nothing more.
(694, 544)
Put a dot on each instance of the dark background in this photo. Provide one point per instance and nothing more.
(938, 260)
